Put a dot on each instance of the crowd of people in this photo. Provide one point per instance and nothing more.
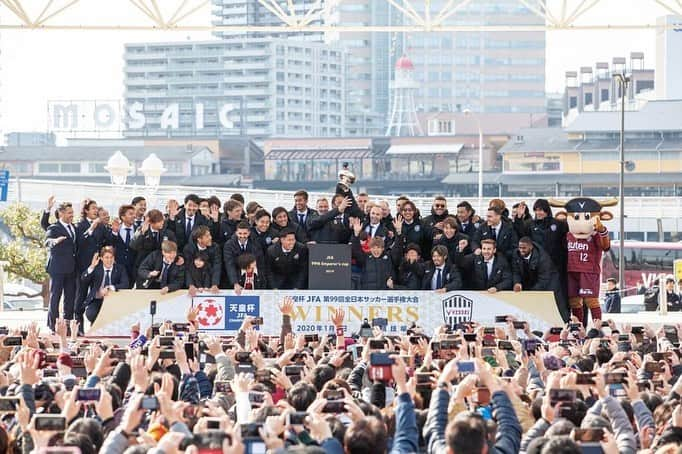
(463, 389)
(202, 245)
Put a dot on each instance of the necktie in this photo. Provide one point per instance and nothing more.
(164, 274)
(493, 233)
(488, 269)
(243, 247)
(71, 232)
(155, 235)
(301, 219)
(371, 231)
(107, 278)
(188, 228)
(439, 278)
(128, 231)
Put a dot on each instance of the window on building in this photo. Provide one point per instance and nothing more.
(588, 99)
(572, 102)
(174, 167)
(96, 167)
(604, 94)
(70, 167)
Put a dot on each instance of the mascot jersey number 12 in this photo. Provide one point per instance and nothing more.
(586, 240)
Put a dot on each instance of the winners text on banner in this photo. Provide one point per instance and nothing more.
(223, 312)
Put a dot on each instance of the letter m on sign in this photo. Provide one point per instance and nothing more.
(457, 309)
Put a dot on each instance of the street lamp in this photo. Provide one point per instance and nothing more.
(623, 82)
(152, 168)
(118, 167)
(469, 113)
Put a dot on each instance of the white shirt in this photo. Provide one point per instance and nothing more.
(434, 279)
(104, 276)
(489, 266)
(122, 231)
(69, 228)
(372, 229)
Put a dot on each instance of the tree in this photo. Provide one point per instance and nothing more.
(26, 251)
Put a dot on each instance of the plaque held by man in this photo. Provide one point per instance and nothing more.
(343, 187)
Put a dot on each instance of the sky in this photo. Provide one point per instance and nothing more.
(38, 66)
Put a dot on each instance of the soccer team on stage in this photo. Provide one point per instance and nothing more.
(203, 245)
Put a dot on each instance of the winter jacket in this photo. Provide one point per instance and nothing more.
(507, 441)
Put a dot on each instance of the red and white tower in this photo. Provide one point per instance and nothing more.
(403, 120)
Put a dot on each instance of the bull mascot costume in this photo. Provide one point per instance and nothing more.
(586, 240)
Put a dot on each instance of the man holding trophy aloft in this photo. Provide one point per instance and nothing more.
(346, 179)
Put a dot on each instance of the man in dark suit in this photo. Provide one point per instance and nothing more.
(149, 236)
(92, 235)
(488, 270)
(532, 269)
(228, 225)
(439, 275)
(240, 243)
(301, 213)
(62, 244)
(499, 230)
(183, 221)
(102, 277)
(465, 218)
(123, 230)
(202, 241)
(140, 204)
(162, 270)
(373, 227)
(287, 263)
(331, 227)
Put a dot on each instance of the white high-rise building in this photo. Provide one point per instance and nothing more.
(669, 58)
(276, 87)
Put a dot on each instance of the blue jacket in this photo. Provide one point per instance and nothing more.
(508, 440)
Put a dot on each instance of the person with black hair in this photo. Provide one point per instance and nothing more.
(281, 221)
(466, 218)
(410, 269)
(199, 274)
(183, 220)
(250, 277)
(211, 259)
(498, 229)
(287, 263)
(439, 274)
(241, 243)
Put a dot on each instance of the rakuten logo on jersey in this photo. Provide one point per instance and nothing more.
(578, 246)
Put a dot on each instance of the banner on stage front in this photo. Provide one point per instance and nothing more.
(224, 312)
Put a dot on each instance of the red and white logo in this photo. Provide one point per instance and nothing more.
(210, 313)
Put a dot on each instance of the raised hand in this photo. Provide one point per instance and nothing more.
(398, 224)
(214, 213)
(95, 260)
(337, 318)
(345, 203)
(50, 202)
(287, 306)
